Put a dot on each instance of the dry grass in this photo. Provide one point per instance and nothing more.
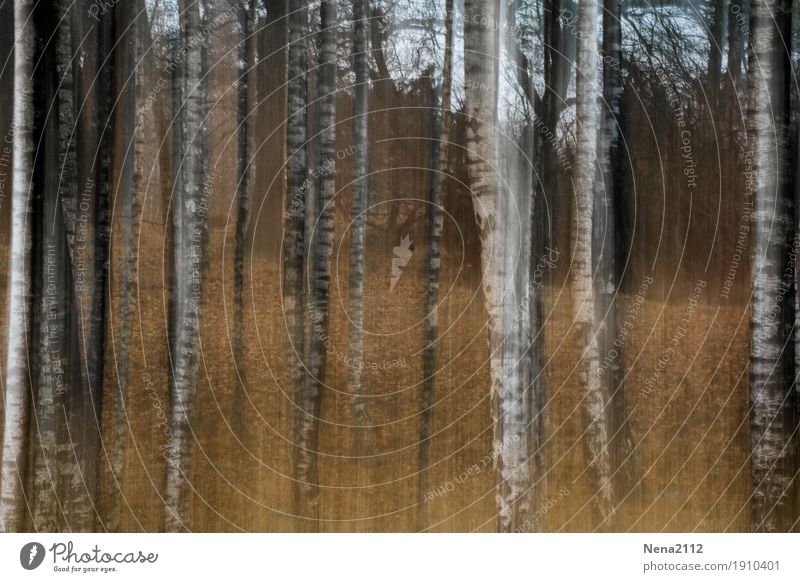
(691, 431)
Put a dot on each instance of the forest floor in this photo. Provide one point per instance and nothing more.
(690, 429)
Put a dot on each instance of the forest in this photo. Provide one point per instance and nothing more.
(399, 265)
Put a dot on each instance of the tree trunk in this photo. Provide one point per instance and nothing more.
(54, 177)
(716, 26)
(594, 397)
(321, 247)
(17, 390)
(774, 456)
(189, 237)
(294, 230)
(438, 174)
(492, 206)
(246, 87)
(607, 254)
(359, 400)
(128, 139)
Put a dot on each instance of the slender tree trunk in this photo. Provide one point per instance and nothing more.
(189, 236)
(716, 27)
(358, 220)
(128, 139)
(17, 390)
(321, 247)
(774, 456)
(607, 251)
(439, 152)
(246, 99)
(359, 401)
(559, 52)
(509, 407)
(294, 229)
(51, 280)
(594, 397)
(736, 16)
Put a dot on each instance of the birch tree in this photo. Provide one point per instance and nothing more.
(606, 250)
(493, 204)
(358, 217)
(246, 92)
(321, 247)
(189, 240)
(129, 129)
(17, 399)
(294, 226)
(440, 130)
(772, 397)
(594, 399)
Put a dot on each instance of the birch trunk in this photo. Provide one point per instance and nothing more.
(128, 139)
(321, 247)
(594, 399)
(17, 395)
(246, 100)
(439, 151)
(294, 229)
(500, 281)
(772, 397)
(358, 216)
(189, 237)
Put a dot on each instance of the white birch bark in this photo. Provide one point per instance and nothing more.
(190, 235)
(773, 454)
(594, 400)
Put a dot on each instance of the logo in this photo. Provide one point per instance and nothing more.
(402, 254)
(31, 555)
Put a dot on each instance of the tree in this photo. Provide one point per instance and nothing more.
(358, 219)
(606, 250)
(246, 88)
(594, 397)
(55, 179)
(492, 204)
(129, 129)
(774, 454)
(321, 248)
(189, 241)
(294, 226)
(440, 129)
(17, 390)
